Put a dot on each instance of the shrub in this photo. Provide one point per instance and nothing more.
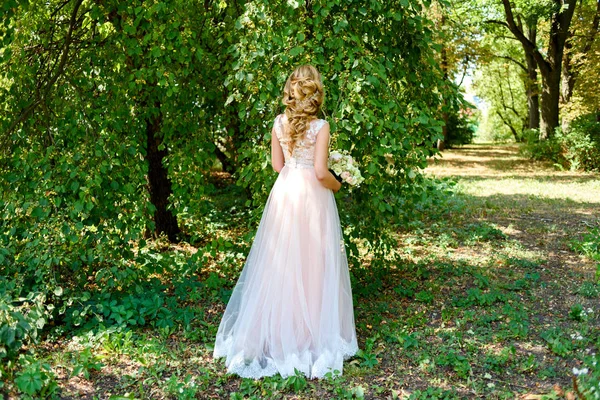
(581, 143)
(589, 246)
(36, 379)
(20, 320)
(460, 128)
(542, 150)
(577, 148)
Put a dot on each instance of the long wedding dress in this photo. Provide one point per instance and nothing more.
(292, 305)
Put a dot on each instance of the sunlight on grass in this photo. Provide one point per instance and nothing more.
(582, 192)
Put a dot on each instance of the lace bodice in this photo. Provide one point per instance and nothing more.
(303, 155)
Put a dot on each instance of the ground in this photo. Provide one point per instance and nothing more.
(489, 299)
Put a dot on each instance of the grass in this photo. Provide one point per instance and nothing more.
(491, 300)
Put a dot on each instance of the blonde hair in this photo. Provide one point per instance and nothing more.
(303, 97)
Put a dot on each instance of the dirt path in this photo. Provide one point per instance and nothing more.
(542, 207)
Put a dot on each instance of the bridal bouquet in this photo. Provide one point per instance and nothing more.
(343, 165)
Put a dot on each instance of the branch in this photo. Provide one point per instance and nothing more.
(495, 21)
(527, 44)
(513, 130)
(61, 66)
(466, 65)
(520, 64)
(59, 8)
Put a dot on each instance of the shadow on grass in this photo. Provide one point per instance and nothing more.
(486, 161)
(563, 177)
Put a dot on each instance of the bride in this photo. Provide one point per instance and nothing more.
(291, 307)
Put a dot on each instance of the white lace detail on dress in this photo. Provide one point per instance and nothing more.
(303, 155)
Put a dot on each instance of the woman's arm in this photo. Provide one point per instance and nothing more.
(325, 177)
(277, 160)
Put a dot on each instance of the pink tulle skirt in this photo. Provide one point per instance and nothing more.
(291, 307)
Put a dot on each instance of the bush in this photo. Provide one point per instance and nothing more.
(578, 148)
(36, 379)
(542, 150)
(21, 319)
(589, 246)
(460, 129)
(581, 143)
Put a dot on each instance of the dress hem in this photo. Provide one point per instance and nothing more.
(327, 361)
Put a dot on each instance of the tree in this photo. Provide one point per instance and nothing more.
(152, 93)
(457, 39)
(131, 74)
(495, 83)
(560, 15)
(578, 53)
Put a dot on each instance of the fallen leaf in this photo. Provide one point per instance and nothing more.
(558, 389)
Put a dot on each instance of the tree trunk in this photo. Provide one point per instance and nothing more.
(159, 184)
(531, 87)
(567, 84)
(441, 144)
(550, 100)
(568, 78)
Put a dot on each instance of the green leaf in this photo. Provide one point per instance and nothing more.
(296, 51)
(29, 382)
(38, 212)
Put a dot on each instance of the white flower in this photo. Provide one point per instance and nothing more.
(576, 336)
(335, 156)
(582, 371)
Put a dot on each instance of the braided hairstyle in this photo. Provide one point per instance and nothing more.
(303, 97)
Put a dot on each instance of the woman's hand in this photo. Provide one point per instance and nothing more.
(338, 189)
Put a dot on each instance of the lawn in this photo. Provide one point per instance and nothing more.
(494, 295)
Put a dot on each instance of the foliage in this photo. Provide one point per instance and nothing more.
(460, 127)
(542, 150)
(588, 376)
(498, 82)
(86, 362)
(583, 55)
(577, 148)
(36, 379)
(21, 319)
(581, 143)
(432, 393)
(589, 246)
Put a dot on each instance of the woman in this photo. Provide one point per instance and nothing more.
(292, 305)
